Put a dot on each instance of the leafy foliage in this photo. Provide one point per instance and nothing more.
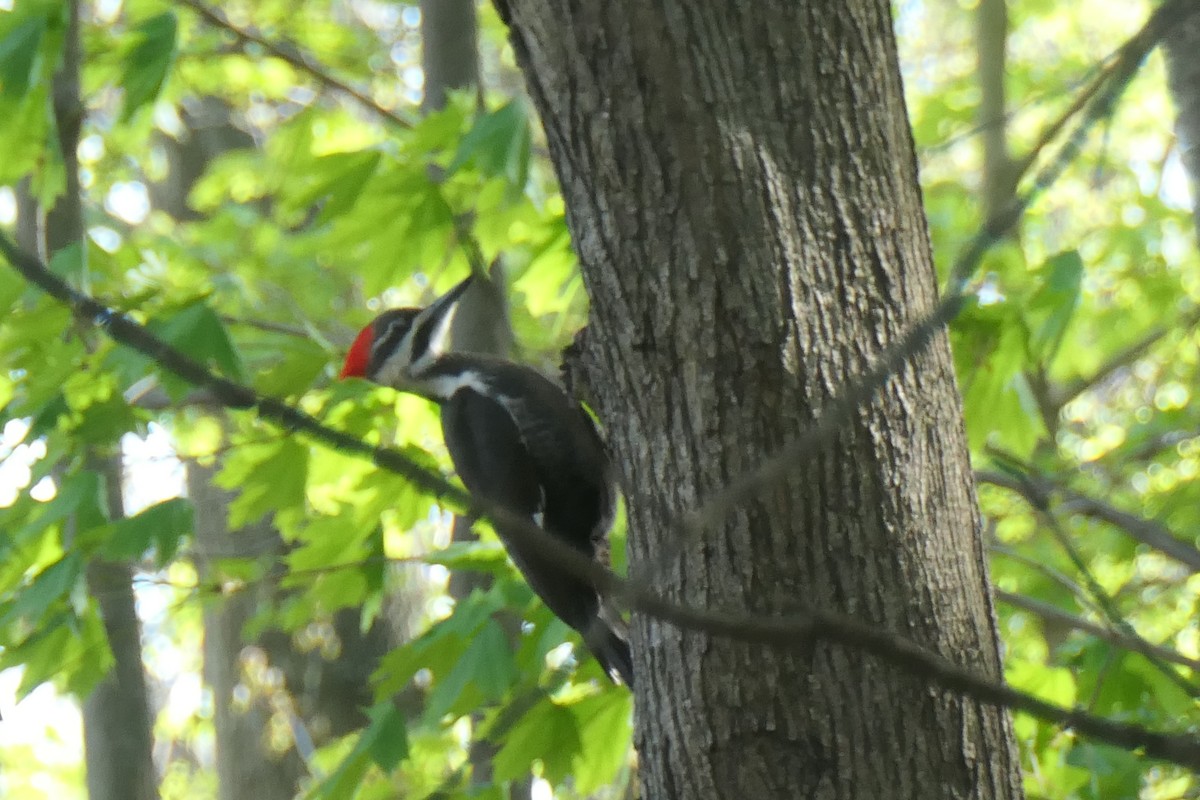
(255, 217)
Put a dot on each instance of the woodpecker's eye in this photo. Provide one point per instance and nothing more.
(390, 329)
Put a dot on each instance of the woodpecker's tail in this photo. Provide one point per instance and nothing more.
(611, 649)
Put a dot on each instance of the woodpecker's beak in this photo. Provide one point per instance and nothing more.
(433, 326)
(444, 303)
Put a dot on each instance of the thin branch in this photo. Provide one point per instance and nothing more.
(1111, 611)
(793, 631)
(1056, 615)
(296, 58)
(1147, 531)
(1038, 490)
(1059, 396)
(1041, 567)
(1023, 164)
(1039, 503)
(310, 66)
(266, 326)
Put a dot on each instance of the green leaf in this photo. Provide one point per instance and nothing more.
(1052, 305)
(548, 733)
(18, 50)
(336, 180)
(268, 478)
(440, 647)
(148, 62)
(66, 648)
(498, 144)
(1112, 771)
(163, 524)
(488, 557)
(605, 728)
(1054, 684)
(484, 671)
(68, 262)
(384, 742)
(386, 736)
(295, 365)
(51, 585)
(199, 333)
(80, 494)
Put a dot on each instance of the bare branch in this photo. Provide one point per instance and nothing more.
(313, 68)
(1038, 490)
(1056, 615)
(266, 326)
(297, 59)
(1059, 396)
(1038, 501)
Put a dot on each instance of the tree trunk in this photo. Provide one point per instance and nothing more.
(449, 51)
(117, 720)
(247, 767)
(1183, 78)
(741, 185)
(991, 43)
(117, 723)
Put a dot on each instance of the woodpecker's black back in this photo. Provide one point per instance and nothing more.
(517, 440)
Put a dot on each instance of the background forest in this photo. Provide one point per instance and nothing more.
(255, 181)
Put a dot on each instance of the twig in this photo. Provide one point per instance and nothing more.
(1038, 490)
(1057, 576)
(467, 241)
(1060, 395)
(1039, 503)
(793, 631)
(296, 58)
(1057, 616)
(266, 325)
(1109, 606)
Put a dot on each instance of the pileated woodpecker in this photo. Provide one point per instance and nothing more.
(516, 440)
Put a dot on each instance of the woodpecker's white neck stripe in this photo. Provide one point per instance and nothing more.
(443, 386)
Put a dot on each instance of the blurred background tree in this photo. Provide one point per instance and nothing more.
(257, 180)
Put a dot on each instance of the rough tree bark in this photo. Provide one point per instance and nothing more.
(741, 187)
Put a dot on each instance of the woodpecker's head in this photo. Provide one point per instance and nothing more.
(399, 344)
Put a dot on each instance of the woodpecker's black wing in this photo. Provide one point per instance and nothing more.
(488, 455)
(493, 463)
(502, 449)
(567, 453)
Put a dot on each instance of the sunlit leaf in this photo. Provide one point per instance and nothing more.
(163, 525)
(548, 733)
(18, 49)
(604, 721)
(149, 61)
(267, 477)
(1053, 304)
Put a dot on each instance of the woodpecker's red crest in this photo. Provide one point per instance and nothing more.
(359, 356)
